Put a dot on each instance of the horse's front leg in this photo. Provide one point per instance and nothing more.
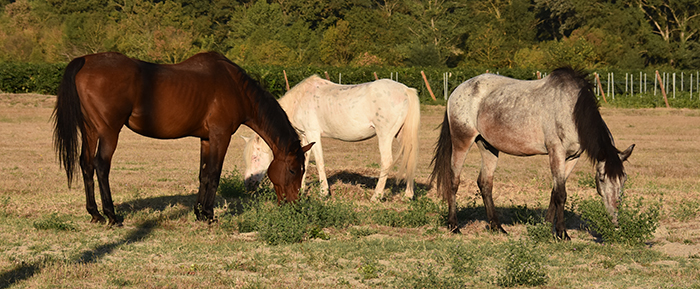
(213, 151)
(561, 168)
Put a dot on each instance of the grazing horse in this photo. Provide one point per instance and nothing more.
(320, 108)
(556, 116)
(206, 96)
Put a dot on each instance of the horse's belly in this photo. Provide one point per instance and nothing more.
(160, 129)
(350, 133)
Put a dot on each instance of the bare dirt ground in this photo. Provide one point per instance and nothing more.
(664, 166)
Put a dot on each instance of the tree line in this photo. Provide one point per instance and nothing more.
(527, 34)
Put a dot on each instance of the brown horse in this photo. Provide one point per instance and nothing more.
(206, 96)
(556, 116)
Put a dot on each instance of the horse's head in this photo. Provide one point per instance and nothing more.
(257, 156)
(610, 186)
(286, 173)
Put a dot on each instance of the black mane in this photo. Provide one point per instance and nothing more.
(594, 136)
(272, 118)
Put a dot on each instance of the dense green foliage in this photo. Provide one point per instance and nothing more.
(492, 34)
(637, 221)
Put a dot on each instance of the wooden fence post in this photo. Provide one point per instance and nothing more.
(427, 85)
(663, 91)
(286, 82)
(600, 87)
(375, 76)
(327, 77)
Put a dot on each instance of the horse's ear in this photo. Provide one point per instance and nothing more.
(626, 154)
(307, 147)
(246, 138)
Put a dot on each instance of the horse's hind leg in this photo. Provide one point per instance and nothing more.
(385, 143)
(489, 160)
(103, 163)
(87, 166)
(460, 148)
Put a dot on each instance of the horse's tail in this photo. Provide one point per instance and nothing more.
(409, 138)
(442, 161)
(68, 117)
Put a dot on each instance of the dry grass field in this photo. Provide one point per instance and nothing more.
(157, 180)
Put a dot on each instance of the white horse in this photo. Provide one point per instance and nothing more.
(320, 108)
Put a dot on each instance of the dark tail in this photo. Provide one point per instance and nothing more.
(442, 161)
(68, 118)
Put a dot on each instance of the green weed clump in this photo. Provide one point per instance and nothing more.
(231, 185)
(522, 266)
(686, 210)
(294, 222)
(54, 222)
(636, 223)
(540, 232)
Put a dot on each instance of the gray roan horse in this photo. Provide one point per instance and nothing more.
(557, 116)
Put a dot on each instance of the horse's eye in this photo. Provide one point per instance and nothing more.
(293, 172)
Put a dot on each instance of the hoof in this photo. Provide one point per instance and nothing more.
(563, 236)
(497, 229)
(115, 224)
(98, 219)
(454, 229)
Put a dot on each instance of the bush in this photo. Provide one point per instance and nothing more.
(295, 222)
(24, 77)
(636, 223)
(231, 185)
(540, 232)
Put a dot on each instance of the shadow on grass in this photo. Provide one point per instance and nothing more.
(513, 215)
(141, 231)
(394, 185)
(22, 272)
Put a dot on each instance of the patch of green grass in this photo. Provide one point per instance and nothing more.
(586, 180)
(686, 210)
(428, 276)
(358, 232)
(637, 221)
(54, 222)
(420, 212)
(463, 259)
(369, 269)
(522, 266)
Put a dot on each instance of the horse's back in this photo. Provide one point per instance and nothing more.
(355, 112)
(155, 100)
(518, 117)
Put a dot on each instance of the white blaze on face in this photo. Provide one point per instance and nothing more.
(257, 157)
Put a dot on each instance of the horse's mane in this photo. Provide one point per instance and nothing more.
(271, 116)
(594, 136)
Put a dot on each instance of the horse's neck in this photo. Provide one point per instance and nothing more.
(277, 133)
